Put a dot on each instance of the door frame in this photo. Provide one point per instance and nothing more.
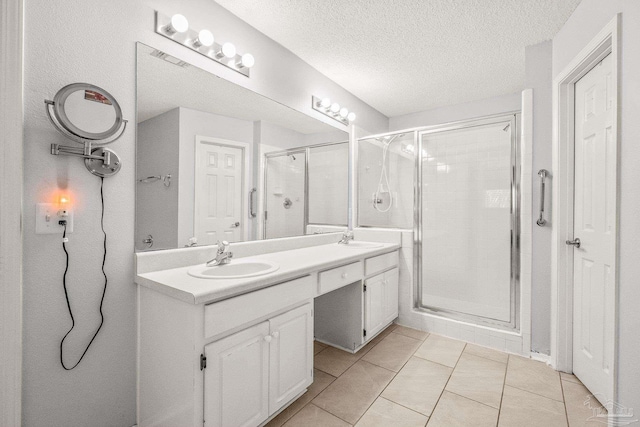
(606, 42)
(247, 177)
(11, 182)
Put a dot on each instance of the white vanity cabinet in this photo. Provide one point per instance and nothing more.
(234, 353)
(251, 374)
(381, 301)
(356, 301)
(236, 379)
(229, 363)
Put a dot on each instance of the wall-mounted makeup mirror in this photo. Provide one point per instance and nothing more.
(91, 116)
(242, 166)
(87, 111)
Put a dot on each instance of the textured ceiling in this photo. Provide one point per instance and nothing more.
(404, 56)
(163, 86)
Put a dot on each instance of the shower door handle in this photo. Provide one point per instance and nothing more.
(574, 242)
(542, 173)
(252, 204)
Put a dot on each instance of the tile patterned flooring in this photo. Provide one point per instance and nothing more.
(406, 377)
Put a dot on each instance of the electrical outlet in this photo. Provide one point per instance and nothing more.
(47, 217)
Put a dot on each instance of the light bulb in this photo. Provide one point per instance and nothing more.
(344, 112)
(205, 38)
(227, 50)
(335, 107)
(246, 61)
(178, 24)
(325, 103)
(351, 116)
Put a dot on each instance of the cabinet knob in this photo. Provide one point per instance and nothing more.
(267, 338)
(276, 334)
(344, 275)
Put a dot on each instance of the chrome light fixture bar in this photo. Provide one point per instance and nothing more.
(333, 110)
(176, 28)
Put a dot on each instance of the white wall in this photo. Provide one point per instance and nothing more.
(452, 113)
(326, 137)
(157, 154)
(538, 78)
(328, 184)
(85, 41)
(587, 20)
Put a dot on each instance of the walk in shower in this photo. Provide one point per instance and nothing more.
(457, 186)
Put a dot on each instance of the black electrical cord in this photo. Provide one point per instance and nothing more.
(64, 282)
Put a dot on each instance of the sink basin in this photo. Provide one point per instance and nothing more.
(236, 269)
(361, 245)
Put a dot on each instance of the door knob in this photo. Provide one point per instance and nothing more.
(235, 224)
(267, 338)
(575, 242)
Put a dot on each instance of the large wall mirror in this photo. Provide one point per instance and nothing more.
(216, 161)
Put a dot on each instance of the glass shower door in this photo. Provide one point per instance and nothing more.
(468, 221)
(285, 195)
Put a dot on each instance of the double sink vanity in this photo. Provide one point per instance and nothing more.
(232, 345)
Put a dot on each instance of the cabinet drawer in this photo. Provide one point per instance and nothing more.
(339, 277)
(228, 314)
(379, 263)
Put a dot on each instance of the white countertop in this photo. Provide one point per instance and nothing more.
(295, 263)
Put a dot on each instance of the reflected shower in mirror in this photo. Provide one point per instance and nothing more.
(216, 161)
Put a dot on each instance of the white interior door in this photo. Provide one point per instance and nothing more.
(594, 264)
(218, 193)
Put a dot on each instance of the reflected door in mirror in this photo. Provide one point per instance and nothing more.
(218, 193)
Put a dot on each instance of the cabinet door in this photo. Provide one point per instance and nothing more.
(291, 355)
(374, 306)
(236, 380)
(390, 284)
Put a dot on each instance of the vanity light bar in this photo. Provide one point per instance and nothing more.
(176, 28)
(333, 110)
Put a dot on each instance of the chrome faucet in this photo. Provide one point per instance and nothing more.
(346, 237)
(222, 257)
